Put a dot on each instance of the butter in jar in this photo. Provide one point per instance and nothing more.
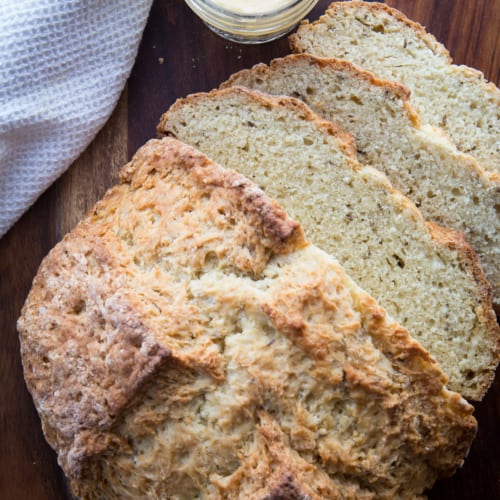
(251, 21)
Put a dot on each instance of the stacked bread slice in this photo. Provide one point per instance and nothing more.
(385, 42)
(447, 186)
(185, 341)
(427, 277)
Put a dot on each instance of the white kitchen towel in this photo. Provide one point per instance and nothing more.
(63, 65)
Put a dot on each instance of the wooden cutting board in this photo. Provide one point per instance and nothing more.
(179, 55)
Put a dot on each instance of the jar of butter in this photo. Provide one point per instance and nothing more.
(251, 21)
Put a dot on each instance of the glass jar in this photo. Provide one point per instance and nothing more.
(247, 21)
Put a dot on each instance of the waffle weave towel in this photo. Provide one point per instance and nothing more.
(63, 65)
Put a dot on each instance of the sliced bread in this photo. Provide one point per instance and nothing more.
(447, 186)
(428, 278)
(184, 341)
(385, 42)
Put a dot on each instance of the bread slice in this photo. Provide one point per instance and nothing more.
(385, 42)
(447, 186)
(184, 341)
(428, 278)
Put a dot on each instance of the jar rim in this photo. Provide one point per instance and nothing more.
(255, 28)
(209, 4)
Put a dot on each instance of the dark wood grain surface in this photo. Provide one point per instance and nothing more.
(179, 55)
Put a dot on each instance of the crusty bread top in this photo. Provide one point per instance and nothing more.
(382, 40)
(185, 341)
(427, 277)
(449, 187)
(90, 264)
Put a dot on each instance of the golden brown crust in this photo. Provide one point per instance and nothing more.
(373, 7)
(264, 374)
(79, 291)
(57, 336)
(272, 470)
(274, 229)
(291, 311)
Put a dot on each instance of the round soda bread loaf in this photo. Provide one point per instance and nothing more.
(428, 278)
(447, 186)
(185, 341)
(385, 42)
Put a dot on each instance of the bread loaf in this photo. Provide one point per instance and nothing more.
(428, 278)
(447, 186)
(184, 341)
(385, 42)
